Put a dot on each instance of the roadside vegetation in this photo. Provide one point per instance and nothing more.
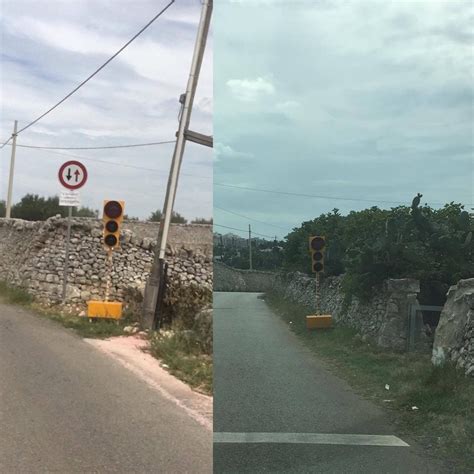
(433, 406)
(184, 346)
(99, 328)
(185, 343)
(183, 356)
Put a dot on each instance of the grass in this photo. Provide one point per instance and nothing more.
(444, 420)
(183, 357)
(180, 351)
(99, 328)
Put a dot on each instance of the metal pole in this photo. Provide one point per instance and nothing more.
(318, 296)
(150, 299)
(250, 248)
(66, 258)
(12, 171)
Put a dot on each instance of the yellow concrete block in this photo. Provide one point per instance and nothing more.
(319, 321)
(104, 309)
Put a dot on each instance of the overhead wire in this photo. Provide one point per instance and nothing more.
(243, 230)
(317, 196)
(106, 147)
(71, 155)
(249, 218)
(98, 69)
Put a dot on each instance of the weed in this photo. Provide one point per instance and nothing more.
(181, 352)
(443, 396)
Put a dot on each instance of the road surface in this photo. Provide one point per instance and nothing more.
(65, 407)
(278, 409)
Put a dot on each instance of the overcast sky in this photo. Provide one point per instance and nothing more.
(49, 46)
(366, 100)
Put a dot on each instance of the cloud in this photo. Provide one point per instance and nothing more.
(250, 90)
(222, 151)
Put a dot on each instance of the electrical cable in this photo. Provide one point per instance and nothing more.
(70, 155)
(99, 69)
(250, 218)
(337, 198)
(242, 230)
(108, 147)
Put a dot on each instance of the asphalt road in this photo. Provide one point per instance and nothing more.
(67, 408)
(267, 382)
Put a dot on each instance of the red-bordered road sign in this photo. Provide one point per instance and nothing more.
(72, 174)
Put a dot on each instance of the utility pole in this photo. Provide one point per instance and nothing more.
(250, 248)
(153, 295)
(12, 171)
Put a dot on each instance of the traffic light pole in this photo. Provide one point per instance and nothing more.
(318, 295)
(152, 290)
(12, 172)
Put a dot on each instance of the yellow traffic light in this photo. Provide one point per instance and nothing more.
(112, 219)
(317, 246)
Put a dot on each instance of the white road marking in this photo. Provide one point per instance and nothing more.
(309, 438)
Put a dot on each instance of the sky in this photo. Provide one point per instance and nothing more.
(363, 100)
(49, 46)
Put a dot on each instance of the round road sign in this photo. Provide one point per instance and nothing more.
(72, 175)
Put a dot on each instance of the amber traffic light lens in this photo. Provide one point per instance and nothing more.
(317, 243)
(111, 226)
(110, 240)
(318, 267)
(113, 209)
(317, 256)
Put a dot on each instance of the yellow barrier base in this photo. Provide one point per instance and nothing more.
(322, 321)
(104, 309)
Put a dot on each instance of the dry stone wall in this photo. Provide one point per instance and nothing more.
(384, 318)
(32, 256)
(454, 338)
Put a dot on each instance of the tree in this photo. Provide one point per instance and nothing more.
(201, 220)
(176, 217)
(3, 209)
(369, 246)
(37, 208)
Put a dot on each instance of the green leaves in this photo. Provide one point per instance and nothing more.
(369, 246)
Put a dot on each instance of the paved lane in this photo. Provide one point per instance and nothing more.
(268, 387)
(67, 408)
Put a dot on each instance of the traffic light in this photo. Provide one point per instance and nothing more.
(317, 246)
(112, 218)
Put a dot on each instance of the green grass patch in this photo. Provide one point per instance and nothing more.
(444, 396)
(97, 328)
(182, 353)
(14, 295)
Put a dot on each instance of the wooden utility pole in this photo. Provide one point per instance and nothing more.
(153, 295)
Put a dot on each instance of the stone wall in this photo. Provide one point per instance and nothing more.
(32, 257)
(234, 279)
(384, 318)
(454, 337)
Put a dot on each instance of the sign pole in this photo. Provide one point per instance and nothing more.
(66, 261)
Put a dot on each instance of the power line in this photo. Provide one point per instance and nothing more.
(250, 218)
(99, 69)
(5, 143)
(109, 147)
(242, 230)
(338, 198)
(70, 155)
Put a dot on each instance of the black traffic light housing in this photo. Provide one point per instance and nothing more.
(317, 247)
(112, 219)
